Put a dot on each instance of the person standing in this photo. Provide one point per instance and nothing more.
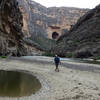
(57, 61)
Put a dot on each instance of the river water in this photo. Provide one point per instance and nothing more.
(17, 84)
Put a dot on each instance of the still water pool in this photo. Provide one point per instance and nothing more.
(17, 84)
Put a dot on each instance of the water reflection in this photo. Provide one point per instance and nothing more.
(15, 84)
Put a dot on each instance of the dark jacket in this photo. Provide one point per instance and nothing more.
(57, 60)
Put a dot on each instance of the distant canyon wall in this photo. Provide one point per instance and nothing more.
(83, 40)
(48, 22)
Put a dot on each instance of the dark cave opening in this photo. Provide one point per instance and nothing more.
(55, 35)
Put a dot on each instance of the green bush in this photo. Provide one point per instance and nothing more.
(48, 54)
(97, 58)
(69, 55)
(3, 57)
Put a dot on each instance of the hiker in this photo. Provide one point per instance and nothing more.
(57, 61)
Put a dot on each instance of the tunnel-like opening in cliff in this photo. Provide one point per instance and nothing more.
(55, 35)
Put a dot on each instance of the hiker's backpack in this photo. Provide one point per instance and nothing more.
(57, 59)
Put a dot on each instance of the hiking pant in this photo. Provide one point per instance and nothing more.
(56, 65)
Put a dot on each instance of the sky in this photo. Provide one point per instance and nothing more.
(69, 3)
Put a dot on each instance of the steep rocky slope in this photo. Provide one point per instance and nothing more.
(26, 26)
(83, 40)
(34, 33)
(41, 24)
(48, 21)
(10, 29)
(39, 20)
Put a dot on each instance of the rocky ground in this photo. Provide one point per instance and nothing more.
(68, 84)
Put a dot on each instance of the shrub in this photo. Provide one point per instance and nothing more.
(97, 58)
(69, 55)
(3, 57)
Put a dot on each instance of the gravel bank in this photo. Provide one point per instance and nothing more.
(68, 84)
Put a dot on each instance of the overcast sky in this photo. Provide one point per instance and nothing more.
(69, 3)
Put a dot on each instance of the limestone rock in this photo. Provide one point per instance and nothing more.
(39, 20)
(10, 29)
(84, 36)
(14, 29)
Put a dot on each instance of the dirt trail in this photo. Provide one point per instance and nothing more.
(68, 84)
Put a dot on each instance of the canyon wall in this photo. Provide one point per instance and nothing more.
(42, 25)
(39, 20)
(10, 29)
(14, 30)
(27, 27)
(83, 40)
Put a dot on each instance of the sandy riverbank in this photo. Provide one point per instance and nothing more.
(68, 84)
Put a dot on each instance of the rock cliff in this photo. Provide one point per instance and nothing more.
(13, 30)
(43, 25)
(26, 26)
(48, 22)
(65, 17)
(10, 29)
(83, 40)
